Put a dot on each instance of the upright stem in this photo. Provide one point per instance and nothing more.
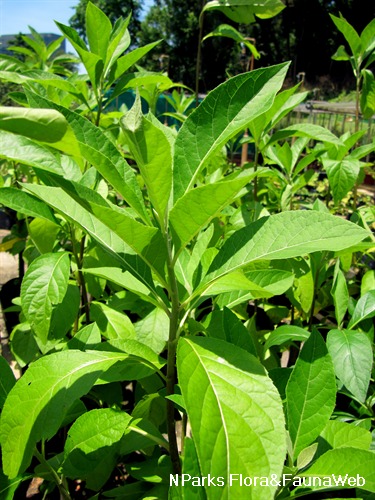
(80, 277)
(357, 98)
(199, 58)
(171, 362)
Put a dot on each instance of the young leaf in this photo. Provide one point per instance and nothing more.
(231, 32)
(93, 446)
(98, 30)
(315, 132)
(349, 33)
(38, 402)
(352, 358)
(152, 151)
(235, 414)
(284, 235)
(225, 112)
(112, 323)
(342, 176)
(310, 393)
(44, 285)
(286, 333)
(368, 94)
(364, 309)
(342, 435)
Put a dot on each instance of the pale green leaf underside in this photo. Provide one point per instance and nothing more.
(235, 414)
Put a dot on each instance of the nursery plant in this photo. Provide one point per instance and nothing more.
(142, 377)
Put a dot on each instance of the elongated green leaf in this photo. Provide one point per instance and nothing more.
(152, 151)
(342, 435)
(364, 309)
(25, 203)
(231, 32)
(123, 279)
(37, 404)
(352, 358)
(286, 333)
(24, 150)
(128, 60)
(339, 293)
(191, 467)
(368, 94)
(98, 30)
(112, 323)
(284, 235)
(98, 150)
(67, 206)
(315, 132)
(199, 206)
(93, 445)
(235, 414)
(44, 285)
(310, 393)
(7, 380)
(45, 125)
(342, 176)
(43, 234)
(349, 33)
(243, 11)
(119, 40)
(345, 463)
(225, 325)
(93, 63)
(153, 330)
(224, 113)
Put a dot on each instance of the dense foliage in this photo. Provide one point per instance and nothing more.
(188, 328)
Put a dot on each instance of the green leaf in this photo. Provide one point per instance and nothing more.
(346, 463)
(98, 150)
(199, 206)
(86, 338)
(243, 11)
(23, 345)
(342, 435)
(368, 94)
(310, 393)
(364, 309)
(368, 39)
(235, 414)
(98, 30)
(67, 206)
(225, 325)
(191, 466)
(151, 149)
(93, 445)
(231, 32)
(26, 204)
(38, 402)
(339, 293)
(44, 285)
(111, 323)
(352, 358)
(342, 176)
(284, 235)
(153, 329)
(128, 60)
(315, 132)
(349, 33)
(225, 112)
(119, 40)
(124, 279)
(43, 234)
(47, 125)
(7, 380)
(286, 333)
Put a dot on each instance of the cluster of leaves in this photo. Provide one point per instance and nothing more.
(136, 335)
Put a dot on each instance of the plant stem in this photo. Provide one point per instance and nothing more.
(80, 276)
(60, 481)
(171, 361)
(199, 57)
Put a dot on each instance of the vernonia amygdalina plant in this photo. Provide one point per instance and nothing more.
(159, 250)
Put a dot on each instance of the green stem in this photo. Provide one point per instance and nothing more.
(60, 481)
(171, 361)
(80, 276)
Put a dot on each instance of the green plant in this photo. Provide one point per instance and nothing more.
(166, 278)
